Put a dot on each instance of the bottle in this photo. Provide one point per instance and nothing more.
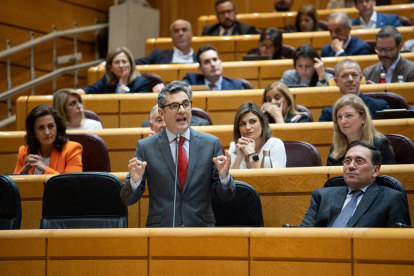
(266, 162)
(400, 79)
(382, 78)
(119, 88)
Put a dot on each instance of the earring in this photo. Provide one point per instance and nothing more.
(363, 123)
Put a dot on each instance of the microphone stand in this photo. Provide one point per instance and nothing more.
(177, 139)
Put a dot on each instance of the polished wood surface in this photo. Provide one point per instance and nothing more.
(285, 193)
(225, 251)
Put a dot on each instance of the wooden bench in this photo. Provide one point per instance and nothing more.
(278, 188)
(281, 19)
(130, 110)
(233, 48)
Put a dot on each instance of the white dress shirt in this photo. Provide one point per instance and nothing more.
(372, 22)
(179, 57)
(217, 84)
(345, 46)
(349, 197)
(390, 71)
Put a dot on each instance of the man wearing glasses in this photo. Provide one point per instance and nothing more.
(228, 25)
(201, 168)
(362, 203)
(370, 19)
(391, 63)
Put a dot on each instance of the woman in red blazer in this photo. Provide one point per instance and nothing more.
(47, 149)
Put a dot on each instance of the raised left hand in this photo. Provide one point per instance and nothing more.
(223, 164)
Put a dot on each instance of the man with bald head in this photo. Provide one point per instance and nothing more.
(343, 44)
(348, 78)
(182, 52)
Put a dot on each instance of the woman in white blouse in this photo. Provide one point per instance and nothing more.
(69, 104)
(252, 134)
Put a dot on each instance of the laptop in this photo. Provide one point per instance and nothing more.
(394, 114)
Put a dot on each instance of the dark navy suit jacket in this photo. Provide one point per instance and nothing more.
(159, 56)
(373, 105)
(239, 29)
(355, 47)
(140, 85)
(227, 84)
(382, 20)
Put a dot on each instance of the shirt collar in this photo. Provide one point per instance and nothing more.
(171, 136)
(347, 42)
(362, 189)
(229, 30)
(373, 18)
(216, 84)
(180, 54)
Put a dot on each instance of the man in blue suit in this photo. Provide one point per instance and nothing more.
(370, 19)
(348, 78)
(343, 44)
(181, 35)
(210, 69)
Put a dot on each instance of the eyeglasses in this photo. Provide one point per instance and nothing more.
(358, 161)
(176, 106)
(386, 50)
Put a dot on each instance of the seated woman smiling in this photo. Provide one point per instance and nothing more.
(352, 121)
(252, 135)
(47, 149)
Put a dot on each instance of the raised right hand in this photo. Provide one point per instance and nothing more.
(136, 169)
(337, 45)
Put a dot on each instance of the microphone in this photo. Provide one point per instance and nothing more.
(177, 139)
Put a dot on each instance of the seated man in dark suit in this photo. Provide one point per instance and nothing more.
(370, 19)
(362, 203)
(348, 78)
(343, 44)
(182, 52)
(228, 25)
(210, 68)
(391, 63)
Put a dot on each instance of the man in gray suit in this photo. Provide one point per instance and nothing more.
(200, 157)
(391, 62)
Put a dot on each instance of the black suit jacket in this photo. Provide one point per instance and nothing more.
(158, 56)
(239, 29)
(379, 207)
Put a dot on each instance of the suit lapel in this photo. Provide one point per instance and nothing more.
(399, 68)
(337, 203)
(194, 147)
(366, 201)
(164, 147)
(225, 85)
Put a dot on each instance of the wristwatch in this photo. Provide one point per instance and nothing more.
(253, 157)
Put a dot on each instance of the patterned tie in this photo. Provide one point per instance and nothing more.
(346, 214)
(211, 86)
(226, 32)
(182, 163)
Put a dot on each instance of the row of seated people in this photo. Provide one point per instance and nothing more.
(155, 157)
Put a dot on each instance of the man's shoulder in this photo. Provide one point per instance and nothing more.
(356, 21)
(194, 79)
(245, 27)
(372, 102)
(371, 68)
(406, 62)
(208, 29)
(231, 84)
(326, 115)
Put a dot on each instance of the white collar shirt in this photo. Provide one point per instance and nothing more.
(372, 22)
(179, 57)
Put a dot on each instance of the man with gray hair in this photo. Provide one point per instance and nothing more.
(179, 185)
(182, 52)
(343, 44)
(391, 63)
(348, 78)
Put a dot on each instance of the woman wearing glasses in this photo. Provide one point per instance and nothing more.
(270, 43)
(309, 69)
(252, 134)
(352, 121)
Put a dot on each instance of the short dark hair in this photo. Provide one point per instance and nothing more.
(30, 139)
(218, 2)
(173, 87)
(203, 49)
(390, 31)
(375, 153)
(275, 36)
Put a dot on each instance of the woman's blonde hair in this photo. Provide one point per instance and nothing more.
(133, 74)
(368, 131)
(59, 101)
(292, 109)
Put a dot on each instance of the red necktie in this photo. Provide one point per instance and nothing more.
(182, 163)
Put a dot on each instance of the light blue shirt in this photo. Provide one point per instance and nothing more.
(217, 84)
(349, 197)
(390, 71)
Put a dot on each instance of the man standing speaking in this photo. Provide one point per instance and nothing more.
(201, 168)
